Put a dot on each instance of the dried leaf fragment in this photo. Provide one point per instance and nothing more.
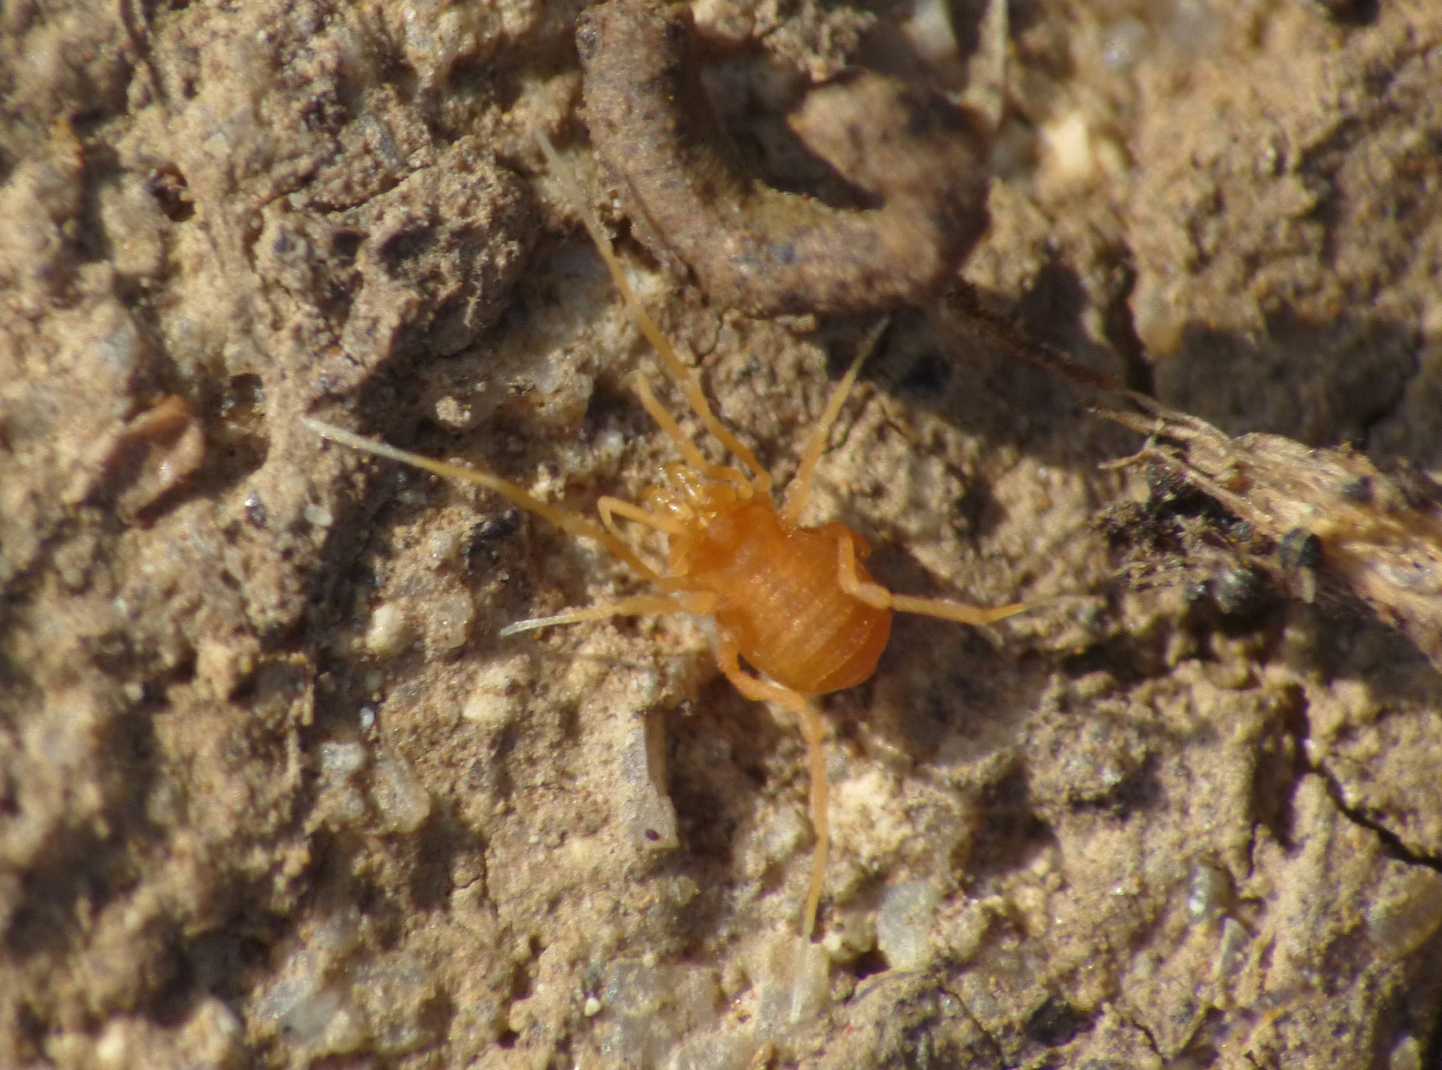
(758, 248)
(1378, 536)
(150, 457)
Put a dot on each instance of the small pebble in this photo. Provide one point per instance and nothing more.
(402, 800)
(450, 620)
(341, 760)
(318, 516)
(903, 927)
(389, 632)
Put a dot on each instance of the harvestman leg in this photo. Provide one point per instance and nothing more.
(667, 423)
(798, 494)
(642, 605)
(609, 508)
(683, 377)
(812, 727)
(567, 521)
(873, 594)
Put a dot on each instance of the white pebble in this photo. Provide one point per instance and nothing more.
(1158, 319)
(454, 414)
(903, 927)
(852, 933)
(401, 799)
(339, 761)
(450, 622)
(318, 516)
(1209, 889)
(389, 632)
(500, 687)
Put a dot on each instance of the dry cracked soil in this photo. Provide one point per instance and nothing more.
(274, 793)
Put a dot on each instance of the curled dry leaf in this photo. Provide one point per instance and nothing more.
(757, 248)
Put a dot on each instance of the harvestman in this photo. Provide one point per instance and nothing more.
(795, 602)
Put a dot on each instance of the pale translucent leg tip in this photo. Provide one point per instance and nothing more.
(521, 626)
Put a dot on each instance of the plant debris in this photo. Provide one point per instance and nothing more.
(755, 247)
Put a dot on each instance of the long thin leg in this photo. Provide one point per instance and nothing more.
(684, 377)
(644, 605)
(667, 423)
(813, 729)
(610, 508)
(873, 594)
(567, 521)
(799, 492)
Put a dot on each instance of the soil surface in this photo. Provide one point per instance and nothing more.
(273, 792)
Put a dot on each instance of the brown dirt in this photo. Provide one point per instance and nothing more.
(273, 793)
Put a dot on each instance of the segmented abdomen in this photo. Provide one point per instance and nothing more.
(782, 602)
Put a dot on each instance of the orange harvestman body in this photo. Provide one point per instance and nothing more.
(795, 602)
